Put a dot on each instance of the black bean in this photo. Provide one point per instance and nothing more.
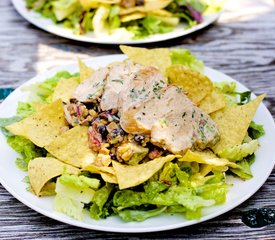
(103, 131)
(138, 138)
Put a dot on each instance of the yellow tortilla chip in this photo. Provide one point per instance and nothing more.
(84, 70)
(148, 6)
(107, 173)
(109, 178)
(42, 127)
(65, 88)
(132, 16)
(194, 83)
(38, 106)
(207, 157)
(41, 170)
(88, 4)
(161, 12)
(72, 147)
(130, 176)
(233, 122)
(159, 57)
(213, 102)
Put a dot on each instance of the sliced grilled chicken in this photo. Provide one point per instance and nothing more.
(173, 121)
(92, 88)
(146, 84)
(120, 74)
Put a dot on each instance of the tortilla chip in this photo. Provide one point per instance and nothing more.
(213, 102)
(42, 127)
(107, 173)
(130, 176)
(233, 122)
(72, 147)
(159, 57)
(148, 6)
(194, 83)
(207, 157)
(65, 88)
(132, 16)
(84, 70)
(41, 170)
(161, 12)
(38, 106)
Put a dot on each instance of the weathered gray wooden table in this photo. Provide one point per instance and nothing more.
(241, 44)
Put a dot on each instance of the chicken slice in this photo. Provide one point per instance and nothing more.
(173, 121)
(120, 74)
(92, 88)
(146, 84)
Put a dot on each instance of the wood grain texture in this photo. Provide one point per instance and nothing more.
(241, 44)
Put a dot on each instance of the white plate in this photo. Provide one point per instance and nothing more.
(49, 26)
(11, 177)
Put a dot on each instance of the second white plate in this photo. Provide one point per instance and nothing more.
(49, 26)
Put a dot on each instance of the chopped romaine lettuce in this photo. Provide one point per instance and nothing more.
(239, 152)
(68, 206)
(63, 8)
(86, 24)
(154, 25)
(76, 192)
(244, 97)
(7, 121)
(139, 215)
(255, 130)
(24, 109)
(226, 87)
(186, 58)
(80, 182)
(113, 19)
(100, 198)
(26, 149)
(43, 91)
(244, 171)
(72, 193)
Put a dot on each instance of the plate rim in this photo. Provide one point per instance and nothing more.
(23, 11)
(67, 220)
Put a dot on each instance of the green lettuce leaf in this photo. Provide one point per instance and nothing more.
(186, 58)
(139, 215)
(101, 197)
(72, 192)
(77, 192)
(154, 25)
(175, 195)
(68, 206)
(24, 109)
(87, 24)
(255, 130)
(216, 188)
(114, 19)
(244, 171)
(149, 25)
(176, 190)
(244, 97)
(226, 87)
(239, 152)
(26, 149)
(7, 121)
(80, 182)
(63, 8)
(43, 91)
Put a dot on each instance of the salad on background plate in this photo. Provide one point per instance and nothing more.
(120, 21)
(147, 139)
